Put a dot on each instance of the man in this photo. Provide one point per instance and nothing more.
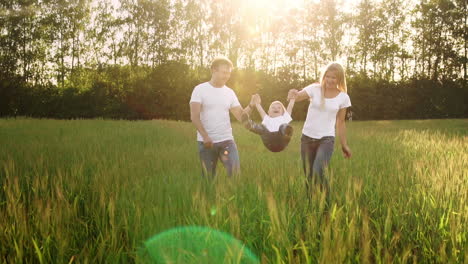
(210, 105)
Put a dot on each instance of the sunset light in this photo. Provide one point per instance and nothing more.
(233, 131)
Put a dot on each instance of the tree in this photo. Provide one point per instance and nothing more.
(368, 27)
(332, 28)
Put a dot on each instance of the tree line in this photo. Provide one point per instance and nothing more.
(140, 59)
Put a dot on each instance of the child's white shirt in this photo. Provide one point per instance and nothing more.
(273, 123)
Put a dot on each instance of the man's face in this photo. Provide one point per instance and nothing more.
(222, 73)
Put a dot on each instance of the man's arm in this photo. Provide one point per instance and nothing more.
(237, 112)
(195, 109)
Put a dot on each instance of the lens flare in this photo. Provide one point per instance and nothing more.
(213, 211)
(195, 244)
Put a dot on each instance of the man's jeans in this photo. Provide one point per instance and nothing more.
(226, 151)
(316, 155)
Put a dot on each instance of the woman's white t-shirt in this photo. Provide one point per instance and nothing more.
(214, 113)
(273, 123)
(321, 122)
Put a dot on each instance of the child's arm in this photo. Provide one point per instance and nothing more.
(257, 100)
(251, 105)
(291, 105)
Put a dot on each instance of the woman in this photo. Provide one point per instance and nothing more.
(327, 110)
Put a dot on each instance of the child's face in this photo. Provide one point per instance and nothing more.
(275, 110)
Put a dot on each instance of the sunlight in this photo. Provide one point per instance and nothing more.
(115, 3)
(268, 7)
(277, 5)
(286, 5)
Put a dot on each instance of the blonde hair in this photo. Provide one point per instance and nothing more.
(280, 103)
(220, 60)
(336, 67)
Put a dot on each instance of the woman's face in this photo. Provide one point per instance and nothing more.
(275, 110)
(331, 79)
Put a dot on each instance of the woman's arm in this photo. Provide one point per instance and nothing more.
(298, 95)
(341, 131)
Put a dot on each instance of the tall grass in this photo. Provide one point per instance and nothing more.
(92, 191)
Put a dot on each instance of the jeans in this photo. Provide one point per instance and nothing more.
(226, 151)
(316, 155)
(274, 141)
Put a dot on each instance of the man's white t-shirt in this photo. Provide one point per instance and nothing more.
(321, 122)
(214, 113)
(273, 123)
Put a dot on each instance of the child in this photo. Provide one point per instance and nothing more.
(274, 129)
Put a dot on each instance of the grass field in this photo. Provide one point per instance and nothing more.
(92, 191)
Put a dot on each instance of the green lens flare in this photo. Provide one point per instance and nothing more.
(213, 211)
(195, 244)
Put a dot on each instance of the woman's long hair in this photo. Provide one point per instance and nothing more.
(340, 72)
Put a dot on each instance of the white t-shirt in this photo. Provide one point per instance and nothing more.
(273, 123)
(214, 113)
(321, 122)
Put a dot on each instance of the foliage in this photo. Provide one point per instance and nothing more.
(141, 59)
(93, 191)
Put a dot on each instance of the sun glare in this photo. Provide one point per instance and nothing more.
(285, 5)
(268, 7)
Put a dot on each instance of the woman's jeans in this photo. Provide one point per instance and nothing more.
(226, 151)
(316, 155)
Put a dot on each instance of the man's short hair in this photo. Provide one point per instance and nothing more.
(220, 60)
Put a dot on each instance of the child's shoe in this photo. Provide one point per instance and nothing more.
(288, 131)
